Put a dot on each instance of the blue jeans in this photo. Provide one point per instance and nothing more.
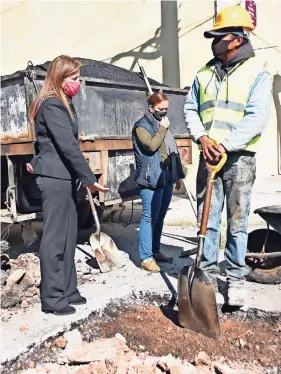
(235, 183)
(155, 205)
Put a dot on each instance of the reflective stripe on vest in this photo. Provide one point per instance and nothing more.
(220, 114)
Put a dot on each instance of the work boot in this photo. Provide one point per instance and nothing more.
(236, 295)
(161, 257)
(150, 265)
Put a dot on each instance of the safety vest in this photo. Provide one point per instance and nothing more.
(220, 113)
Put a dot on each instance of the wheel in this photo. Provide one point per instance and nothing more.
(268, 271)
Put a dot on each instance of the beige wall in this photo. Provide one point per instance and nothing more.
(121, 31)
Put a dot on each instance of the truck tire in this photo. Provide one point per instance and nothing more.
(269, 271)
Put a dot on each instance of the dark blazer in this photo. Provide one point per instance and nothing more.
(59, 153)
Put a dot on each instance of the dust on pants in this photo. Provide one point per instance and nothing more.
(233, 183)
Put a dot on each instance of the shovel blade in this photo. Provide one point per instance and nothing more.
(197, 303)
(187, 318)
(203, 298)
(106, 252)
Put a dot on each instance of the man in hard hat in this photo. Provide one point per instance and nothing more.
(226, 110)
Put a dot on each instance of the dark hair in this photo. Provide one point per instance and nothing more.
(156, 98)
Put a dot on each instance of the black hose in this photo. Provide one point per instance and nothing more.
(126, 224)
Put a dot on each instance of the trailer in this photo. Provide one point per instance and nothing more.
(110, 101)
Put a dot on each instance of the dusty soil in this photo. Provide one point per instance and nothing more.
(158, 332)
(155, 331)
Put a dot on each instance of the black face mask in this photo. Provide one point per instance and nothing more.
(220, 46)
(159, 114)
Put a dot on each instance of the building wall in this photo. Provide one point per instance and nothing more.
(120, 32)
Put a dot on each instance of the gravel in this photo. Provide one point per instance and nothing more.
(103, 70)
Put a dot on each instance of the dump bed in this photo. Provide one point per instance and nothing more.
(110, 101)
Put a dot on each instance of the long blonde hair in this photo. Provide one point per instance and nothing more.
(60, 68)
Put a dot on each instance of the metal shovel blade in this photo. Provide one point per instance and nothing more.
(106, 252)
(196, 295)
(197, 302)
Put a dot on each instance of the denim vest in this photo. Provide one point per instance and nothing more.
(149, 172)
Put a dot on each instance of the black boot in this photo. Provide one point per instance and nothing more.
(60, 312)
(81, 300)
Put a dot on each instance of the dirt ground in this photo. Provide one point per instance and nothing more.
(157, 331)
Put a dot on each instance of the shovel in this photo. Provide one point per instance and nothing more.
(105, 250)
(196, 296)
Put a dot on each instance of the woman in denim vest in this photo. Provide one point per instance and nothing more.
(158, 168)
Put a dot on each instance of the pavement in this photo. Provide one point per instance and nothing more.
(27, 329)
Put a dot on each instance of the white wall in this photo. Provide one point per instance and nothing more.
(121, 31)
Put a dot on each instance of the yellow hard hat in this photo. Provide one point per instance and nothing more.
(231, 17)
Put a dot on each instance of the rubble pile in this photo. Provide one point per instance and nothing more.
(20, 278)
(112, 355)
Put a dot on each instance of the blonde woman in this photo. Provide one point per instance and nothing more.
(57, 165)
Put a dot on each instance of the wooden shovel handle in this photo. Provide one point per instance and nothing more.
(94, 211)
(213, 170)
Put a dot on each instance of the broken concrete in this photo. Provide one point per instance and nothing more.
(127, 283)
(16, 276)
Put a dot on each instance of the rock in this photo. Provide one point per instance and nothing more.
(120, 337)
(35, 299)
(203, 359)
(163, 366)
(4, 246)
(86, 277)
(224, 369)
(257, 347)
(11, 295)
(30, 263)
(37, 277)
(50, 367)
(96, 368)
(99, 350)
(74, 339)
(22, 328)
(243, 343)
(61, 342)
(4, 277)
(31, 364)
(6, 316)
(141, 347)
(24, 304)
(16, 277)
(31, 291)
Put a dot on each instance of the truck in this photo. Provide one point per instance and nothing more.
(110, 101)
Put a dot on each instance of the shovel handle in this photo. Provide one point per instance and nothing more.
(213, 170)
(94, 211)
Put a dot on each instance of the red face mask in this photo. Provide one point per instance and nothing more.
(71, 88)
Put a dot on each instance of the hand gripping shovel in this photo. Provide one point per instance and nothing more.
(196, 295)
(105, 250)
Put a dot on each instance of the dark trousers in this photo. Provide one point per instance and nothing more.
(58, 275)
